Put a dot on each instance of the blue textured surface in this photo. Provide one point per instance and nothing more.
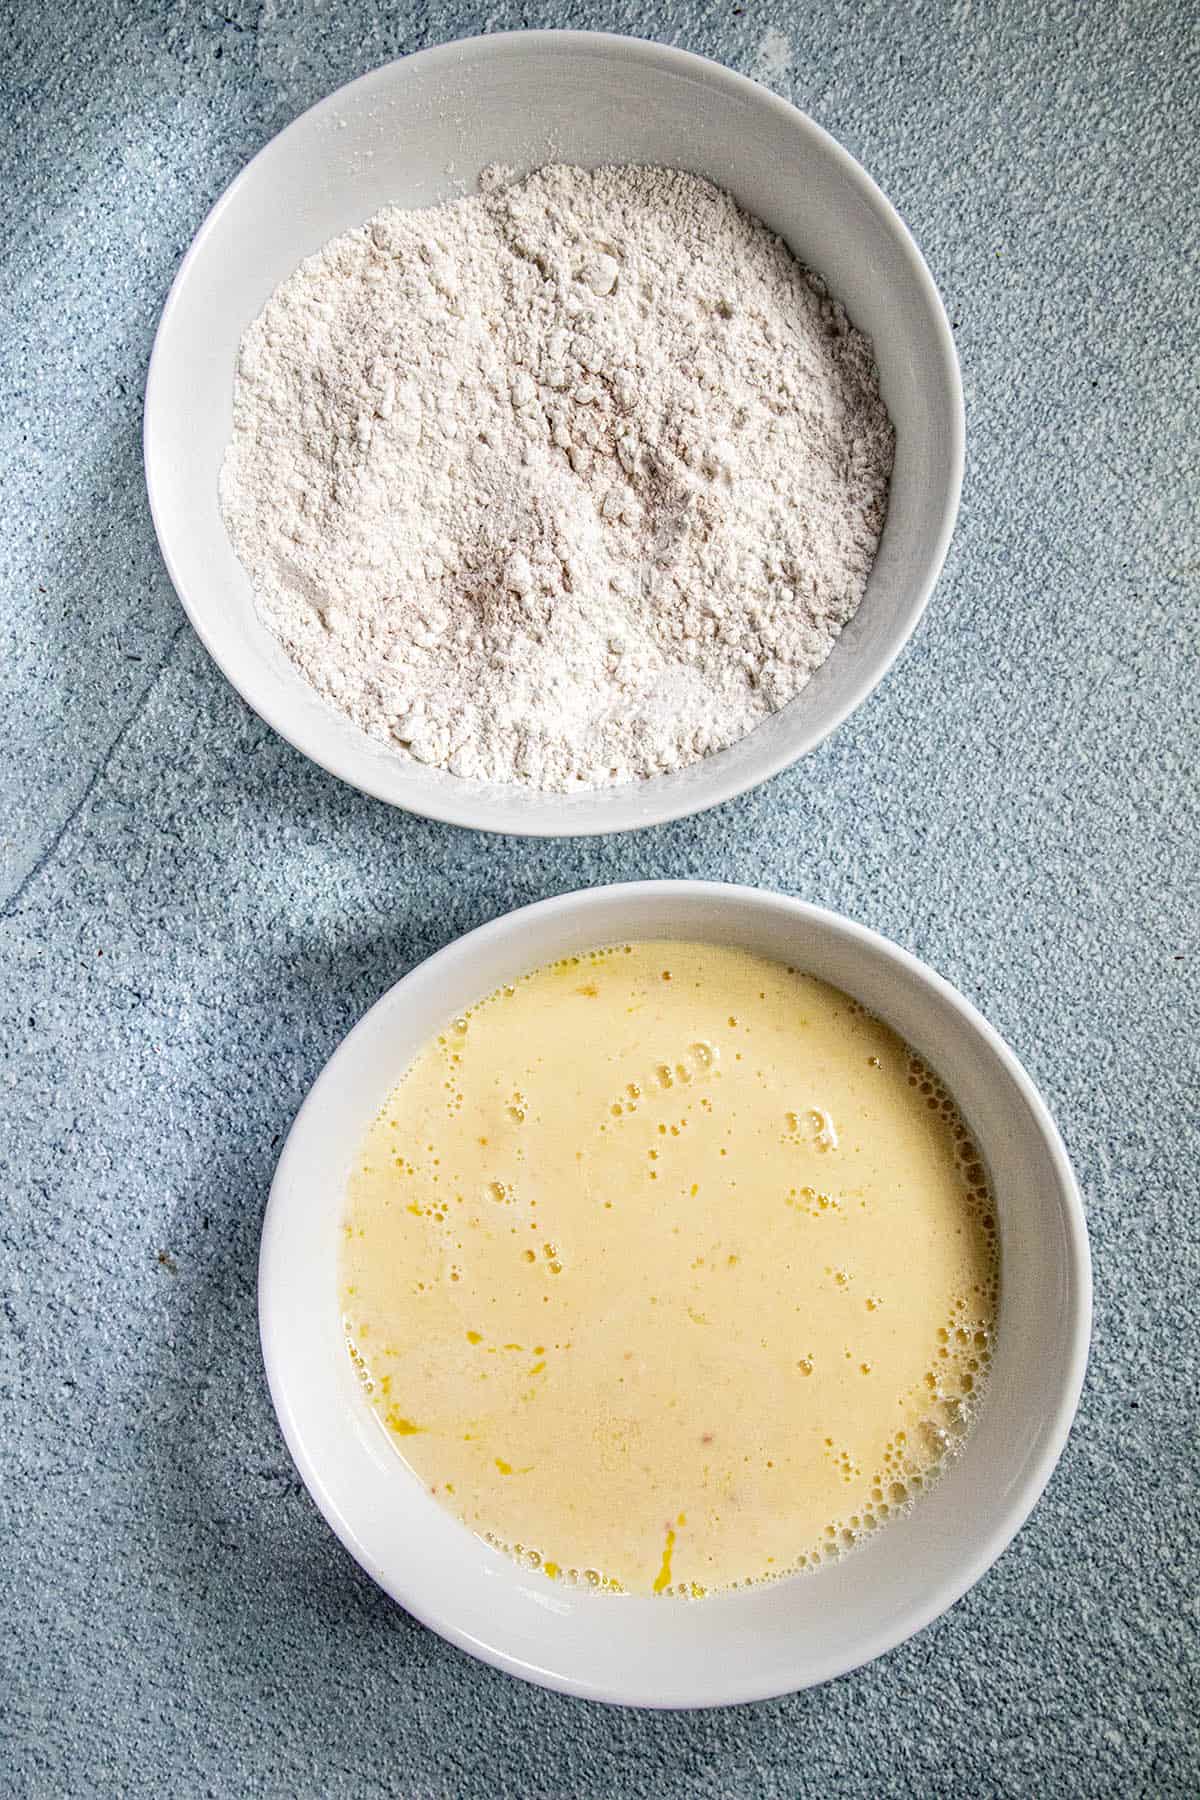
(192, 916)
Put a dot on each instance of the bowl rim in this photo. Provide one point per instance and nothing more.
(448, 806)
(729, 1687)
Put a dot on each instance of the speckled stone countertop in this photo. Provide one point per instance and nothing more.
(191, 916)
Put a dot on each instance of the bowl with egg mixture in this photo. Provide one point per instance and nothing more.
(674, 1294)
(607, 577)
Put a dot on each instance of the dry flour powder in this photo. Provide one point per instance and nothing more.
(566, 483)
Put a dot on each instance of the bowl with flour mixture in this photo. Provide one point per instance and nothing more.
(553, 433)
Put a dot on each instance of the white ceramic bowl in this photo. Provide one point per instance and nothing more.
(738, 1646)
(418, 132)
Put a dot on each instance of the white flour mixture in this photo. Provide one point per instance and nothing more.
(567, 483)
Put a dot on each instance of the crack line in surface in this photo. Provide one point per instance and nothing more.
(9, 907)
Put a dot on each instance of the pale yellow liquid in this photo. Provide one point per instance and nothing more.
(670, 1269)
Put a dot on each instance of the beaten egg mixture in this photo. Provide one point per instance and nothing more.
(669, 1268)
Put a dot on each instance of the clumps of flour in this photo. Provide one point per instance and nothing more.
(566, 483)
